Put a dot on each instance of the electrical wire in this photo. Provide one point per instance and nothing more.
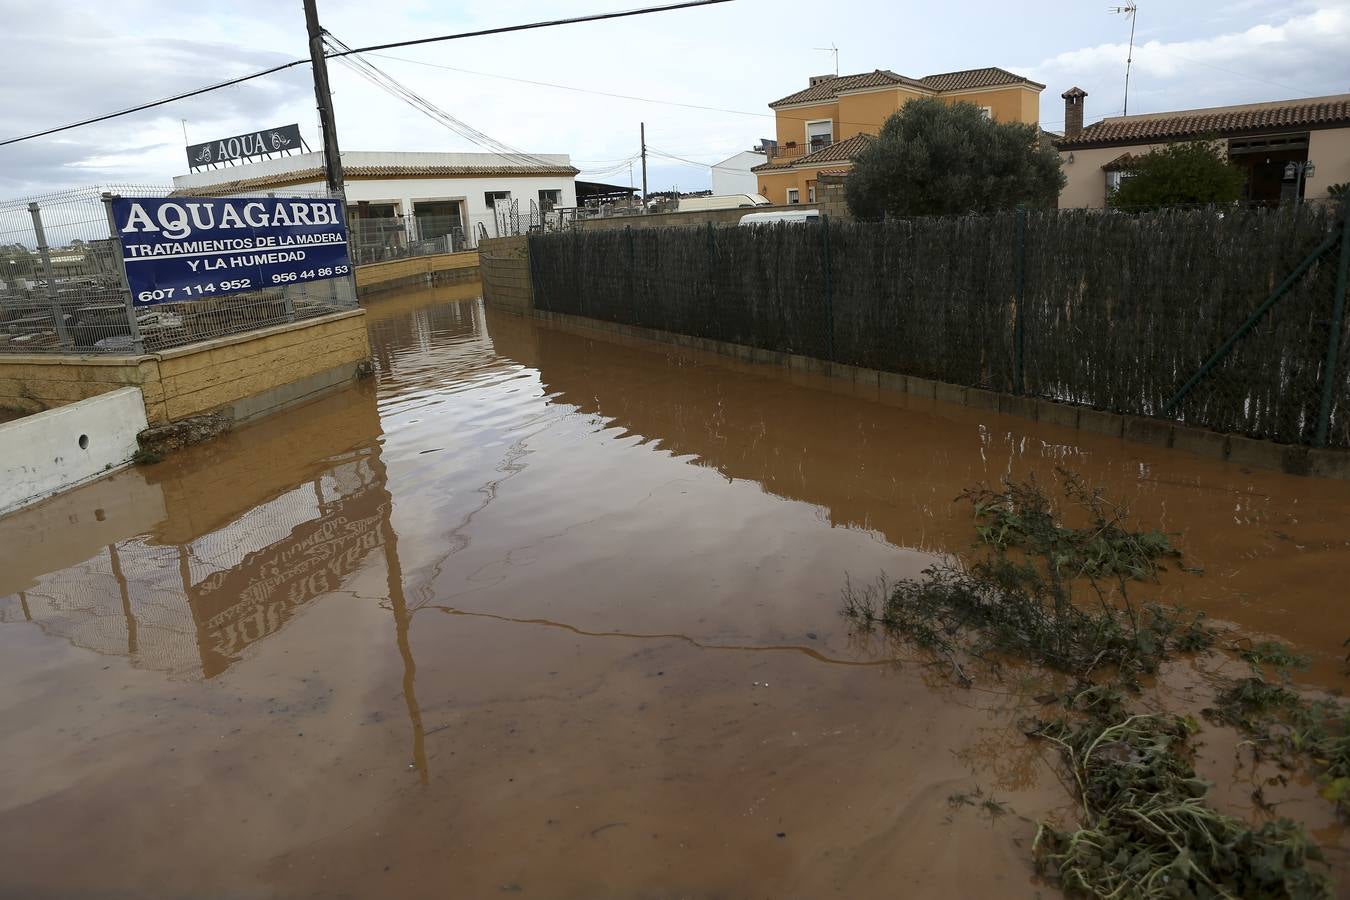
(692, 162)
(133, 109)
(397, 89)
(596, 17)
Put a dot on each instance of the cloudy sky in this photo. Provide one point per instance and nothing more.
(552, 91)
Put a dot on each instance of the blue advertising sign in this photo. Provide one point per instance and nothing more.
(189, 248)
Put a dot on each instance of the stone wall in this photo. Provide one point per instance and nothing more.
(505, 267)
(401, 272)
(830, 196)
(244, 375)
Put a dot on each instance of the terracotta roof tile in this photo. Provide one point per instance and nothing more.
(1222, 121)
(830, 87)
(1123, 161)
(300, 176)
(969, 79)
(844, 151)
(965, 80)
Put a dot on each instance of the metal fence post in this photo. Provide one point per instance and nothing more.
(1019, 298)
(720, 334)
(132, 324)
(58, 315)
(1334, 340)
(829, 285)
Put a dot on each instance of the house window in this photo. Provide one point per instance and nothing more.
(1115, 179)
(819, 135)
(548, 200)
(794, 196)
(491, 198)
(987, 112)
(810, 192)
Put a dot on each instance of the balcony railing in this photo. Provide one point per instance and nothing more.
(795, 149)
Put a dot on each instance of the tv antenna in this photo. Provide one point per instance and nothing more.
(831, 49)
(1131, 10)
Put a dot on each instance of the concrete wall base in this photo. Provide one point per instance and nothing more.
(50, 452)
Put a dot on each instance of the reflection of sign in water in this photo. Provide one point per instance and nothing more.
(193, 248)
(243, 604)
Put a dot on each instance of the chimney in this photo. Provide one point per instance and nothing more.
(814, 80)
(1073, 112)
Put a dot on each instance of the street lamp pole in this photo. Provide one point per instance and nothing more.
(1299, 171)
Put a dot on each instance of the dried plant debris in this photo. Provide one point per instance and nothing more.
(1061, 602)
(1023, 516)
(1145, 830)
(1294, 731)
(1055, 596)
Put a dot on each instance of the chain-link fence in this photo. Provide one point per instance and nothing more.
(1109, 310)
(62, 288)
(398, 237)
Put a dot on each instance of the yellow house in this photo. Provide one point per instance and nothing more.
(822, 128)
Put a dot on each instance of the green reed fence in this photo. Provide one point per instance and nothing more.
(1111, 311)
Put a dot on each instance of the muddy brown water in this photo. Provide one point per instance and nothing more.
(544, 613)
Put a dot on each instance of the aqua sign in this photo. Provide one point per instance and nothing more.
(191, 248)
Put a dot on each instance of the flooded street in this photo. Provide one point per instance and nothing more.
(553, 614)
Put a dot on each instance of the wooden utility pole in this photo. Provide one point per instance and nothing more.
(332, 158)
(643, 137)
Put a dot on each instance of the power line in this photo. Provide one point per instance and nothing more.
(183, 96)
(594, 17)
(397, 89)
(350, 51)
(580, 90)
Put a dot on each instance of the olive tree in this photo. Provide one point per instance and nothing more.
(1185, 172)
(933, 158)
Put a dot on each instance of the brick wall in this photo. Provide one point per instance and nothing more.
(504, 264)
(399, 272)
(246, 374)
(830, 196)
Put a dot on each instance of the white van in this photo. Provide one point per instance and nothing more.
(791, 217)
(722, 201)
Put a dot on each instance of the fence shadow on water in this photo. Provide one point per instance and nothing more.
(1107, 310)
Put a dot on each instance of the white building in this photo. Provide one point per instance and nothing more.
(733, 175)
(415, 196)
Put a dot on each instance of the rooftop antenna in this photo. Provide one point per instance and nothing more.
(1131, 10)
(185, 137)
(831, 49)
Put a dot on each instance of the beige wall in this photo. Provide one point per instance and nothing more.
(791, 123)
(201, 378)
(1016, 104)
(866, 113)
(376, 275)
(205, 377)
(505, 267)
(774, 185)
(1086, 186)
(37, 382)
(1329, 150)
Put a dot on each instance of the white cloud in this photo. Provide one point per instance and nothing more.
(738, 56)
(1303, 55)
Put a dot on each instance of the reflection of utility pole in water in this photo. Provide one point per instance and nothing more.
(402, 616)
(126, 598)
